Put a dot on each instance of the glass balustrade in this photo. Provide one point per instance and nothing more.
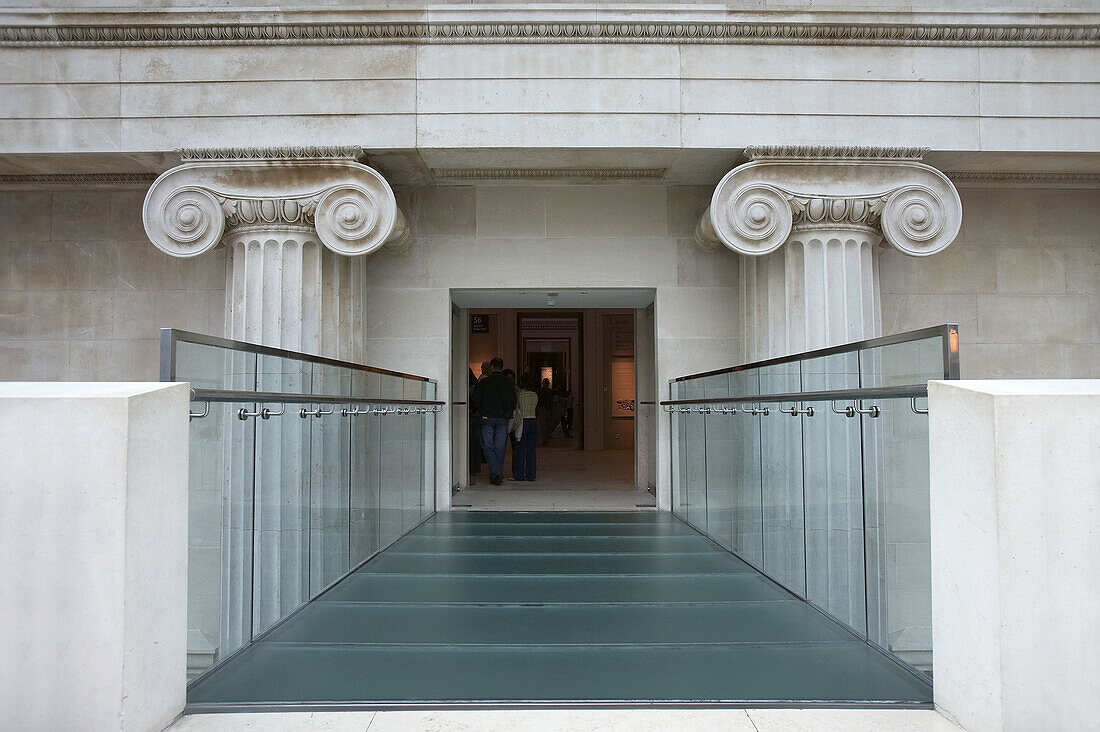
(814, 469)
(301, 469)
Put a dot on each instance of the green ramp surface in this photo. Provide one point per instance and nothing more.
(504, 608)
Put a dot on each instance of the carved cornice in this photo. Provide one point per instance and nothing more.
(479, 174)
(754, 32)
(352, 207)
(755, 206)
(832, 152)
(76, 180)
(351, 153)
(1022, 179)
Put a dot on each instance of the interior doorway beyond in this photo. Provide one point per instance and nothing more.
(584, 362)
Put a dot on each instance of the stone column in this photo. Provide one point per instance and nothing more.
(296, 223)
(809, 222)
(295, 220)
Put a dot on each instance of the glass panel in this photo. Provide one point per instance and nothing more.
(781, 481)
(412, 457)
(366, 434)
(427, 449)
(330, 481)
(219, 558)
(213, 367)
(895, 454)
(284, 506)
(695, 458)
(391, 465)
(902, 364)
(745, 383)
(678, 438)
(835, 505)
(720, 464)
(745, 437)
(281, 553)
(834, 495)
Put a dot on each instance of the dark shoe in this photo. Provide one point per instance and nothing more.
(496, 480)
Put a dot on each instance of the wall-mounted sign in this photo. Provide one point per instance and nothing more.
(622, 336)
(479, 323)
(622, 388)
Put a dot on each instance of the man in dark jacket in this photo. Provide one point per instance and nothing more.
(494, 398)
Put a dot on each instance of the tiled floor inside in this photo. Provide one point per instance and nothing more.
(568, 479)
(499, 607)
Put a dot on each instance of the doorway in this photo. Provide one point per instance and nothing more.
(592, 453)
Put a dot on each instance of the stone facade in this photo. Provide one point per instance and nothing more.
(84, 292)
(324, 180)
(557, 147)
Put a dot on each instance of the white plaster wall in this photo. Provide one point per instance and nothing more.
(93, 555)
(1015, 494)
(83, 292)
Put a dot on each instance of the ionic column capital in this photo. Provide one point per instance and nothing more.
(913, 206)
(190, 208)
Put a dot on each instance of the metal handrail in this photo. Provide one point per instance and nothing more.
(949, 332)
(169, 337)
(871, 392)
(225, 396)
(276, 397)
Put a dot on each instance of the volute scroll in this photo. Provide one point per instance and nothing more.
(756, 205)
(190, 208)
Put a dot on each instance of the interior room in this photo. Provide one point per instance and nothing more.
(590, 355)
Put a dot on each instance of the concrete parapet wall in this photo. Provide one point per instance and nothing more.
(1015, 498)
(93, 555)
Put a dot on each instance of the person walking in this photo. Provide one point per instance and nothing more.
(494, 398)
(545, 411)
(567, 415)
(523, 455)
(513, 423)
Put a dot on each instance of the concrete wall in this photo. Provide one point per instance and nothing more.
(1015, 493)
(93, 555)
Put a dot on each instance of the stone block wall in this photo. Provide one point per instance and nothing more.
(83, 292)
(446, 98)
(1022, 281)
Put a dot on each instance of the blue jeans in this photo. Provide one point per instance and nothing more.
(523, 457)
(494, 438)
